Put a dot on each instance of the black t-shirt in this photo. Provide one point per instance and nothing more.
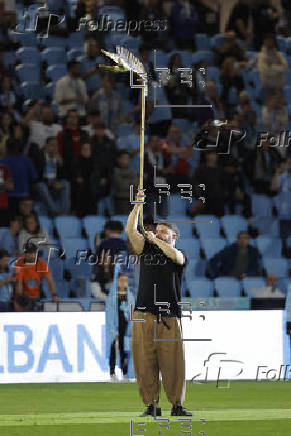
(157, 268)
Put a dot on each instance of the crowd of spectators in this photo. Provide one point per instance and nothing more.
(67, 154)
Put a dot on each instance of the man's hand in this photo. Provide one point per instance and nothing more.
(55, 299)
(140, 196)
(151, 236)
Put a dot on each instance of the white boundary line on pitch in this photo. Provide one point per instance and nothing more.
(125, 417)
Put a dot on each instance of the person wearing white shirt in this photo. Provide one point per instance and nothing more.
(270, 290)
(70, 91)
(40, 120)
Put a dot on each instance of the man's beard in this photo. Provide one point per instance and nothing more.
(168, 240)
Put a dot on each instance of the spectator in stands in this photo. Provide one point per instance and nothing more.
(158, 113)
(152, 10)
(71, 92)
(265, 18)
(89, 65)
(275, 114)
(144, 52)
(7, 95)
(86, 181)
(235, 189)
(70, 140)
(272, 66)
(7, 123)
(103, 152)
(123, 178)
(109, 102)
(53, 188)
(240, 19)
(176, 153)
(103, 270)
(40, 121)
(6, 185)
(184, 22)
(117, 320)
(246, 115)
(281, 186)
(20, 135)
(9, 240)
(7, 279)
(270, 290)
(94, 119)
(212, 98)
(232, 83)
(22, 171)
(32, 232)
(214, 179)
(238, 260)
(230, 49)
(178, 93)
(154, 157)
(260, 165)
(30, 270)
(25, 208)
(19, 303)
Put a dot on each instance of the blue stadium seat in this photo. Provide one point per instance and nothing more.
(75, 40)
(56, 72)
(62, 289)
(218, 40)
(279, 267)
(161, 57)
(83, 270)
(289, 60)
(251, 53)
(288, 45)
(202, 41)
(49, 90)
(47, 224)
(73, 245)
(75, 53)
(32, 91)
(54, 42)
(57, 269)
(26, 39)
(269, 246)
(54, 55)
(281, 43)
(211, 246)
(261, 205)
(201, 288)
(124, 130)
(252, 284)
(191, 246)
(213, 74)
(93, 224)
(68, 227)
(287, 93)
(227, 287)
(28, 72)
(266, 225)
(115, 12)
(232, 224)
(27, 54)
(80, 288)
(203, 55)
(9, 59)
(195, 268)
(207, 229)
(177, 204)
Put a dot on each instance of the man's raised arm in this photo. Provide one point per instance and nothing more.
(135, 237)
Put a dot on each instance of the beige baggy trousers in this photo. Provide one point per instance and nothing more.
(150, 357)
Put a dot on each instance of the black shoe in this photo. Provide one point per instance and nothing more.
(150, 411)
(178, 410)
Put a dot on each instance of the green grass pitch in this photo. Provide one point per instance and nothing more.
(87, 409)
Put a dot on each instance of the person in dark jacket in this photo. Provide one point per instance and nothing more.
(53, 187)
(238, 260)
(87, 182)
(70, 140)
